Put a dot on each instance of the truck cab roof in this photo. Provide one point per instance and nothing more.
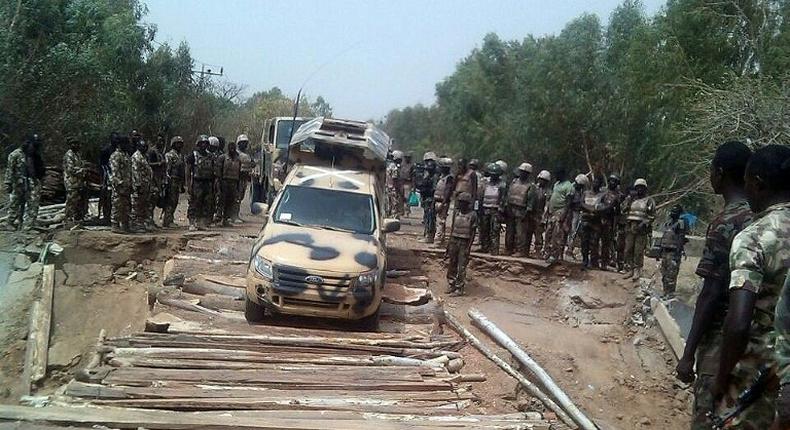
(332, 178)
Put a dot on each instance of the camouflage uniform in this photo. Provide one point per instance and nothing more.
(24, 190)
(640, 214)
(394, 190)
(427, 186)
(558, 225)
(201, 193)
(536, 203)
(441, 200)
(247, 165)
(121, 183)
(174, 182)
(609, 221)
(782, 328)
(461, 237)
(493, 196)
(517, 217)
(228, 172)
(591, 226)
(673, 241)
(157, 162)
(759, 259)
(74, 182)
(142, 176)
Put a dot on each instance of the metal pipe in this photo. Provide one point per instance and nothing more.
(532, 388)
(545, 379)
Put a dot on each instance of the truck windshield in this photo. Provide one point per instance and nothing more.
(284, 131)
(329, 209)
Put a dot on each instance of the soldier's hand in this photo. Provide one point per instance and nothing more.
(685, 370)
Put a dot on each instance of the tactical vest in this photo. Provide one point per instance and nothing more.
(592, 200)
(462, 225)
(231, 168)
(540, 202)
(464, 184)
(517, 196)
(204, 166)
(175, 168)
(246, 163)
(638, 209)
(441, 187)
(673, 237)
(491, 195)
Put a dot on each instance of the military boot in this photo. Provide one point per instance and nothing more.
(629, 273)
(637, 274)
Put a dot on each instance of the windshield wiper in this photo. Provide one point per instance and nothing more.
(285, 221)
(326, 227)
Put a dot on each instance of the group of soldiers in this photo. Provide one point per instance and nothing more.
(613, 226)
(137, 178)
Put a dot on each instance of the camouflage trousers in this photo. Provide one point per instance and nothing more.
(120, 207)
(171, 203)
(458, 254)
(76, 204)
(591, 242)
(428, 219)
(227, 198)
(23, 202)
(516, 222)
(540, 228)
(670, 266)
(141, 203)
(707, 366)
(490, 230)
(201, 201)
(441, 221)
(635, 245)
(608, 243)
(557, 234)
(395, 201)
(620, 246)
(244, 183)
(154, 200)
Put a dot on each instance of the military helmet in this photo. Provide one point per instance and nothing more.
(525, 167)
(430, 155)
(502, 164)
(494, 169)
(582, 179)
(640, 182)
(397, 155)
(242, 138)
(202, 138)
(614, 177)
(213, 141)
(176, 139)
(474, 163)
(676, 209)
(465, 197)
(446, 162)
(72, 140)
(545, 175)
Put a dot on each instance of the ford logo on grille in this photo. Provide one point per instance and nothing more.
(316, 280)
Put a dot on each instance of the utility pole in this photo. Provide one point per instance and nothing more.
(203, 72)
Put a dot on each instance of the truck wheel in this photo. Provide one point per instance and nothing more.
(371, 322)
(253, 312)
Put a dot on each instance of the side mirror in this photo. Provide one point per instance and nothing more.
(277, 185)
(390, 225)
(259, 208)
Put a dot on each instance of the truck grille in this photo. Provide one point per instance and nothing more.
(291, 281)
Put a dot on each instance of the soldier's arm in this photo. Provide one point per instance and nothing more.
(9, 169)
(708, 302)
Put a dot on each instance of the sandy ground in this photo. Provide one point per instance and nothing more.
(577, 326)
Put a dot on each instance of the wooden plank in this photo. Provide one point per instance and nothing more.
(212, 261)
(38, 333)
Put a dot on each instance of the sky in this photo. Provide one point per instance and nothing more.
(365, 57)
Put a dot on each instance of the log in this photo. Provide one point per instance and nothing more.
(38, 333)
(181, 304)
(201, 288)
(209, 260)
(488, 257)
(529, 386)
(545, 379)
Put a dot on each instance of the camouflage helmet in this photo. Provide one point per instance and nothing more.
(213, 141)
(176, 139)
(242, 138)
(545, 175)
(640, 182)
(397, 155)
(202, 138)
(582, 180)
(465, 197)
(446, 162)
(494, 169)
(614, 177)
(525, 167)
(502, 164)
(430, 155)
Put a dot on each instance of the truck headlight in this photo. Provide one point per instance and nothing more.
(263, 267)
(367, 280)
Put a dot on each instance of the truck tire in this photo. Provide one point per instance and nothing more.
(253, 312)
(371, 322)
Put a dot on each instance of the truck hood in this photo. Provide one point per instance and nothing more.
(320, 250)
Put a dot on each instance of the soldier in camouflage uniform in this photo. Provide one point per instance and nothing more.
(426, 185)
(516, 213)
(759, 261)
(215, 151)
(558, 223)
(227, 169)
(461, 236)
(537, 203)
(22, 181)
(121, 184)
(704, 339)
(640, 214)
(673, 240)
(610, 212)
(200, 183)
(442, 195)
(493, 205)
(156, 160)
(782, 327)
(174, 180)
(142, 177)
(247, 165)
(74, 182)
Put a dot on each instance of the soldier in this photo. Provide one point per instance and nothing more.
(474, 165)
(610, 211)
(673, 239)
(759, 265)
(247, 166)
(516, 215)
(782, 328)
(493, 204)
(426, 184)
(395, 185)
(640, 214)
(441, 197)
(74, 182)
(174, 180)
(156, 160)
(406, 169)
(465, 181)
(24, 171)
(704, 339)
(105, 195)
(214, 152)
(591, 226)
(121, 183)
(622, 228)
(142, 176)
(461, 236)
(541, 193)
(227, 170)
(200, 183)
(556, 229)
